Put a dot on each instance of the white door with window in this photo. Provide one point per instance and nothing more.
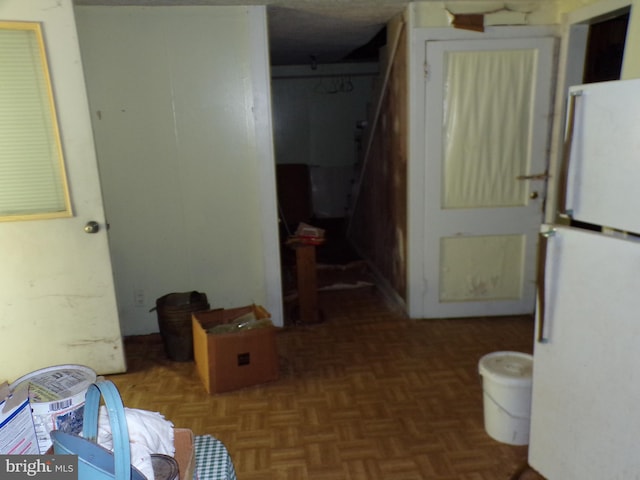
(487, 105)
(57, 297)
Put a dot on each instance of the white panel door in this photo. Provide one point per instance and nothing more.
(57, 297)
(487, 124)
(586, 381)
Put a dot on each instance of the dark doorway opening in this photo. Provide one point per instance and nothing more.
(605, 49)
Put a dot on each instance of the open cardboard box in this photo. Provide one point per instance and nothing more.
(228, 361)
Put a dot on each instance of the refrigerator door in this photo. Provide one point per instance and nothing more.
(585, 418)
(600, 173)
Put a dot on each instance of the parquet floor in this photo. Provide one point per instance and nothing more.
(367, 394)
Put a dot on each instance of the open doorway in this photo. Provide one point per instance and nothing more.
(317, 116)
(605, 49)
(595, 45)
(320, 103)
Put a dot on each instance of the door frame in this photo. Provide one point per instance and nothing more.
(416, 184)
(263, 123)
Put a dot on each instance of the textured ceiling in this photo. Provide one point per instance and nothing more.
(329, 31)
(304, 31)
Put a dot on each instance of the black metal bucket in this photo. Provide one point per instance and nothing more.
(174, 320)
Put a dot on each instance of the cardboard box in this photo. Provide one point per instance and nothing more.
(229, 361)
(185, 452)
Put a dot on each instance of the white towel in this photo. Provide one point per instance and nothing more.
(149, 433)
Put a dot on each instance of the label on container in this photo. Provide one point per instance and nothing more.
(57, 384)
(57, 396)
(17, 432)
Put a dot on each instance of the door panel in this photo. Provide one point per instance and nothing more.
(487, 107)
(494, 106)
(57, 298)
(466, 276)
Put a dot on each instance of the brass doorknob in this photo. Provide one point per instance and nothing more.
(92, 227)
(533, 195)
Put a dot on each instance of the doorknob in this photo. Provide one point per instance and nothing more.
(92, 227)
(533, 195)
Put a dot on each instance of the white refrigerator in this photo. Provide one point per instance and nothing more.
(585, 417)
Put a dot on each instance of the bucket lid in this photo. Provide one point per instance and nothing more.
(514, 368)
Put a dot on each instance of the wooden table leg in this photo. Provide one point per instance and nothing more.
(307, 283)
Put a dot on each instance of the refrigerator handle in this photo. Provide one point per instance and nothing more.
(566, 156)
(542, 291)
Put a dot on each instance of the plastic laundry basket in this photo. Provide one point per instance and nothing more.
(506, 385)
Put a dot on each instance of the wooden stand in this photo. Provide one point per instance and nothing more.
(307, 283)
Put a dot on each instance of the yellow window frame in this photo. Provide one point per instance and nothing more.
(33, 179)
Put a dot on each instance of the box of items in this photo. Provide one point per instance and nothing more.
(234, 348)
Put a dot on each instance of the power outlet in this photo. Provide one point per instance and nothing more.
(138, 297)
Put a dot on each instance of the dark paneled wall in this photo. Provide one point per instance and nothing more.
(378, 227)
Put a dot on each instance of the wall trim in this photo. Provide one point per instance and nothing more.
(264, 151)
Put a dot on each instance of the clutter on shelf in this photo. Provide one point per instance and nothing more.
(307, 235)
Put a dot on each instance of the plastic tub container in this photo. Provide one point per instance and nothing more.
(506, 385)
(56, 397)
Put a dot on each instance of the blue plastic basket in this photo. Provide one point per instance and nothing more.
(96, 462)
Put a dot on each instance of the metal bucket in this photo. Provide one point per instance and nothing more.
(174, 321)
(164, 467)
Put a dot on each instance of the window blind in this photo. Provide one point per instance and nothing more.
(32, 177)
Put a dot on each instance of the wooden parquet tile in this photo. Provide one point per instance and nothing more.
(367, 394)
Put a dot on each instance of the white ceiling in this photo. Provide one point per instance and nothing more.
(303, 30)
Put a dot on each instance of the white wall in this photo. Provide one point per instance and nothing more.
(497, 13)
(316, 114)
(316, 111)
(177, 95)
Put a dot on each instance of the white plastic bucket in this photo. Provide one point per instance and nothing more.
(56, 397)
(506, 385)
